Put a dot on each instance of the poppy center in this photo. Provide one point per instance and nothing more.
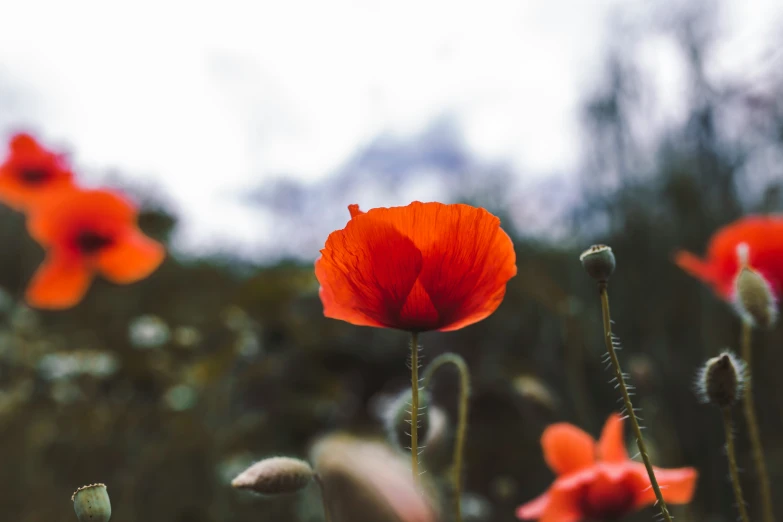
(34, 175)
(611, 506)
(90, 242)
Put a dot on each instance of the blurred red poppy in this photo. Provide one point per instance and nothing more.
(85, 232)
(763, 236)
(597, 481)
(30, 173)
(426, 266)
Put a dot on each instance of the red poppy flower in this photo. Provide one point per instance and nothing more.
(426, 266)
(763, 236)
(85, 232)
(30, 172)
(597, 481)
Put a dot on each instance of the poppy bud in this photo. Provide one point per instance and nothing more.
(92, 504)
(721, 380)
(275, 476)
(398, 419)
(599, 262)
(754, 298)
(367, 480)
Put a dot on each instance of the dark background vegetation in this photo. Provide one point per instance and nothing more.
(166, 389)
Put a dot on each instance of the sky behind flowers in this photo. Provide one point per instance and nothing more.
(210, 99)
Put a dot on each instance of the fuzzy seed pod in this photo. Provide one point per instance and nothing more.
(92, 504)
(754, 298)
(275, 476)
(721, 380)
(398, 419)
(599, 263)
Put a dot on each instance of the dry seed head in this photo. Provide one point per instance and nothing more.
(91, 503)
(275, 476)
(599, 262)
(754, 298)
(721, 380)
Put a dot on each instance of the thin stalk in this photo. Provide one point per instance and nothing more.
(415, 404)
(754, 434)
(602, 287)
(462, 421)
(324, 503)
(728, 426)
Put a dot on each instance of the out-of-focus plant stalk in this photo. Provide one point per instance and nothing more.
(415, 404)
(754, 434)
(608, 338)
(462, 421)
(324, 503)
(728, 426)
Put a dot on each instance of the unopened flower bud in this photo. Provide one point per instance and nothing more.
(754, 298)
(275, 476)
(599, 262)
(399, 419)
(721, 380)
(368, 480)
(92, 504)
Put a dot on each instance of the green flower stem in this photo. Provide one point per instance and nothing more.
(728, 426)
(462, 421)
(415, 404)
(754, 434)
(602, 287)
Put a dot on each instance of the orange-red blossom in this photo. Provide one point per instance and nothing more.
(425, 266)
(87, 232)
(597, 480)
(761, 237)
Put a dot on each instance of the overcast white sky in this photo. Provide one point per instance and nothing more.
(209, 98)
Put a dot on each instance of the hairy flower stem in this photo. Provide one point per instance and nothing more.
(415, 404)
(327, 516)
(462, 421)
(728, 425)
(608, 338)
(753, 427)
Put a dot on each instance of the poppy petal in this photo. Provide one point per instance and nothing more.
(611, 445)
(695, 266)
(367, 271)
(132, 258)
(333, 309)
(30, 173)
(567, 448)
(418, 309)
(611, 494)
(106, 210)
(10, 191)
(59, 283)
(534, 509)
(468, 258)
(677, 485)
(566, 497)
